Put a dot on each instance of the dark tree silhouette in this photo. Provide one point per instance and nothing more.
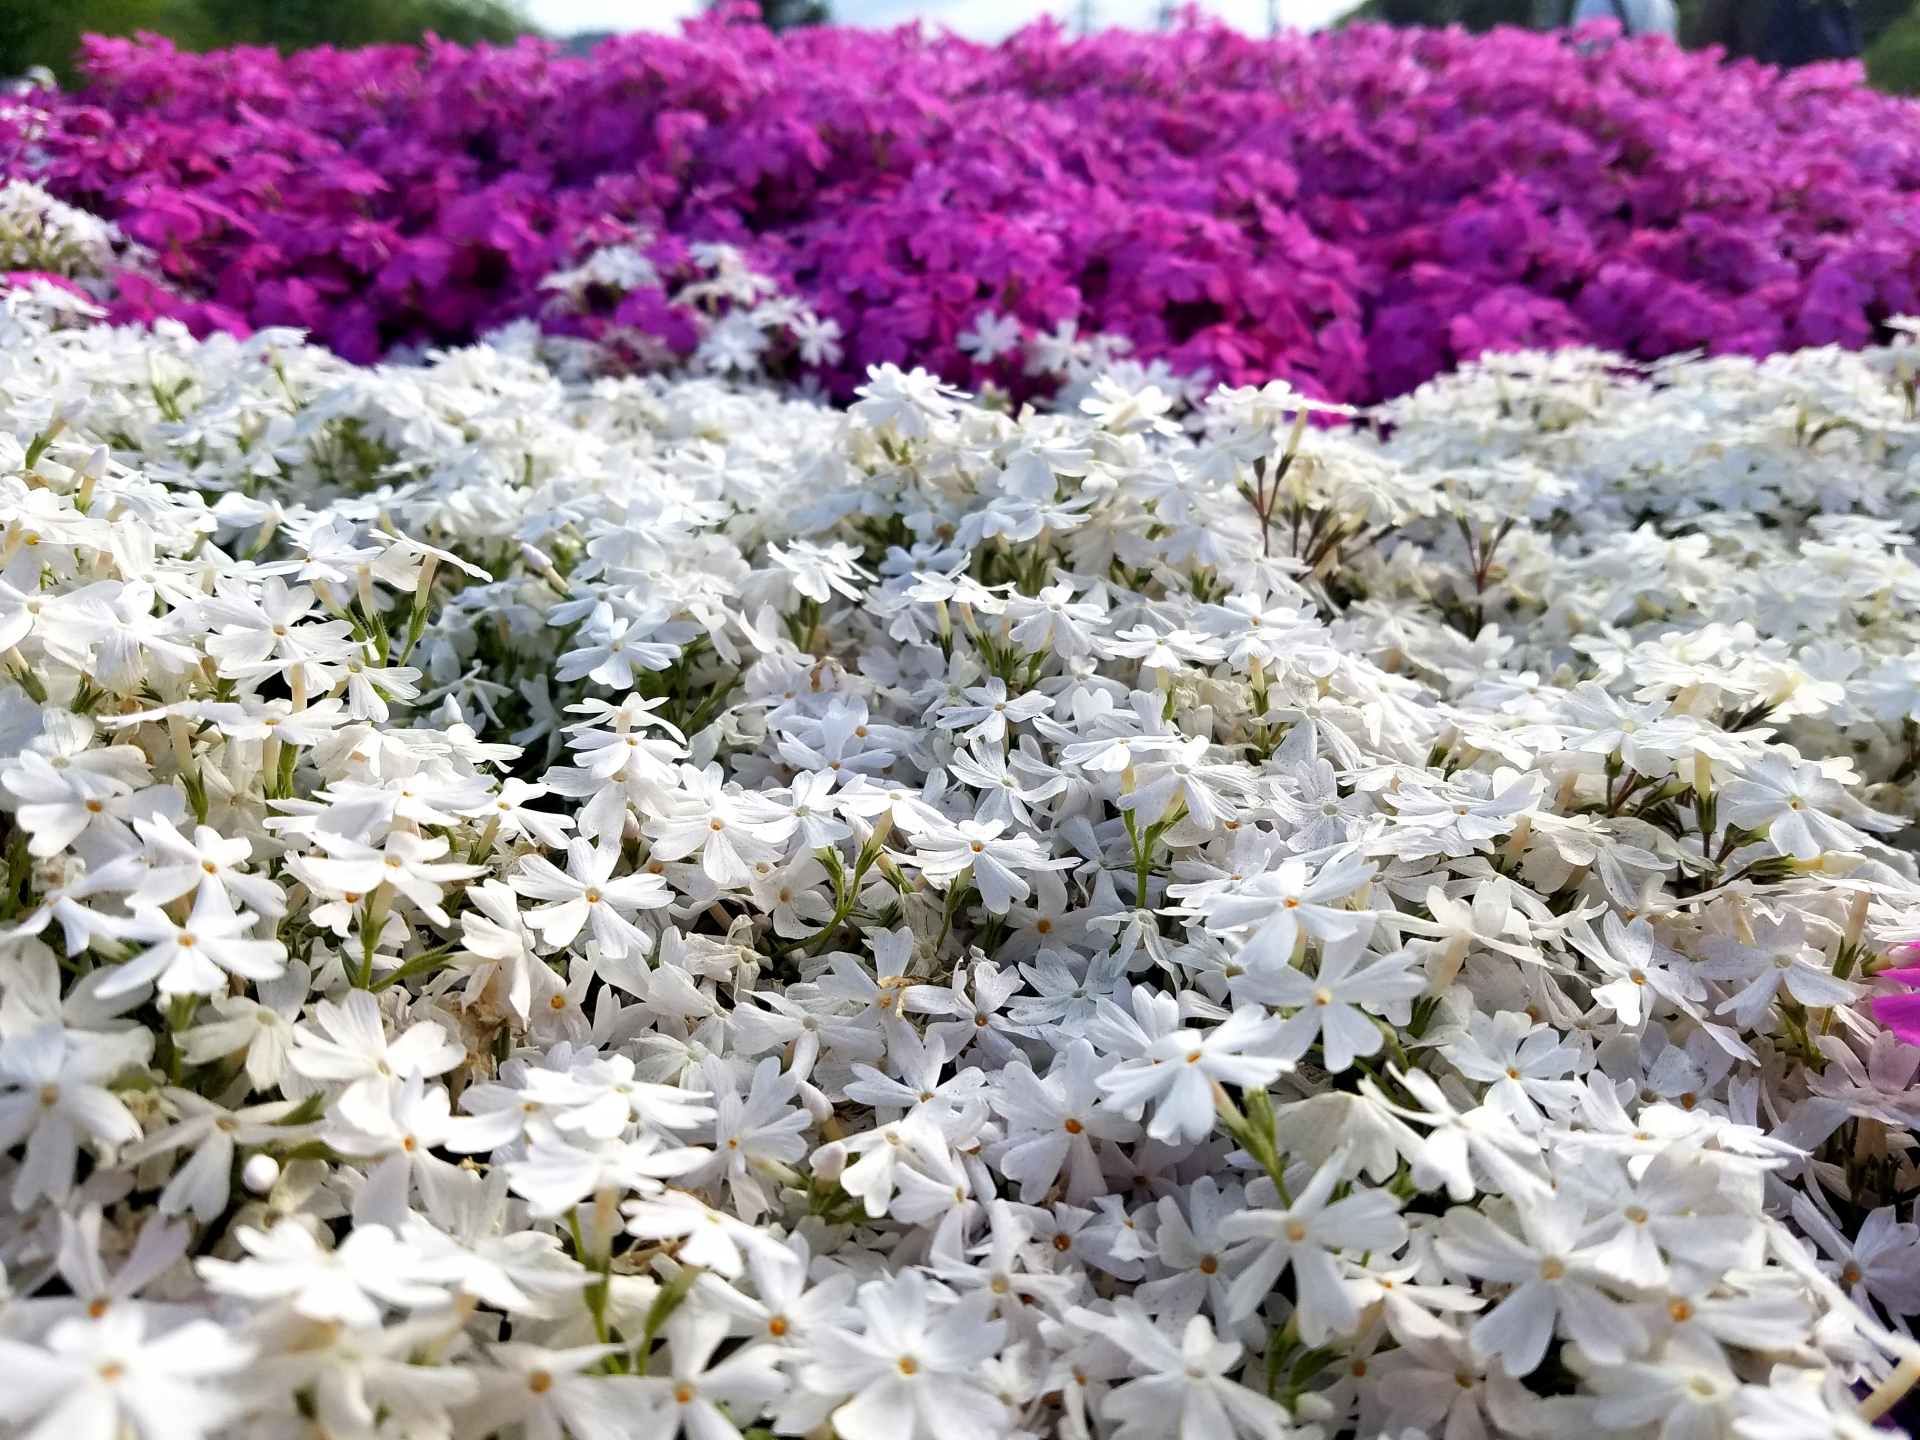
(791, 14)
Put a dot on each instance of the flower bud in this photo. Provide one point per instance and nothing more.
(829, 1161)
(259, 1173)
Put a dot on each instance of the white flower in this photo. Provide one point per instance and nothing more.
(1281, 904)
(600, 1096)
(886, 1153)
(349, 1283)
(348, 1043)
(58, 803)
(708, 1238)
(1637, 980)
(1010, 792)
(1520, 1061)
(1115, 407)
(1052, 1123)
(1201, 1260)
(975, 848)
(196, 957)
(213, 1133)
(209, 861)
(1304, 1236)
(500, 945)
(555, 1174)
(1557, 1284)
(1441, 1387)
(589, 896)
(991, 710)
(1798, 1411)
(1326, 1005)
(97, 1378)
(545, 1391)
(54, 1100)
(820, 571)
(1181, 774)
(690, 1397)
(755, 1136)
(1465, 1145)
(913, 1374)
(1792, 803)
(906, 404)
(405, 864)
(1176, 1069)
(991, 337)
(1180, 1389)
(819, 339)
(626, 645)
(1881, 1262)
(1777, 958)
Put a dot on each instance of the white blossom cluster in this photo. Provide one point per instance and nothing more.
(744, 324)
(1074, 359)
(628, 907)
(39, 234)
(1706, 524)
(747, 327)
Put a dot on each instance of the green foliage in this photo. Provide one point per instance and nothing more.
(47, 32)
(34, 33)
(297, 24)
(1893, 60)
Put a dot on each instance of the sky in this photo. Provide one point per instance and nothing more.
(977, 19)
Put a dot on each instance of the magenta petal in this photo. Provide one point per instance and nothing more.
(1900, 1014)
(1355, 211)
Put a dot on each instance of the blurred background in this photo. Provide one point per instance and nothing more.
(45, 32)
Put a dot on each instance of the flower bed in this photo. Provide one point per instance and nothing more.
(1353, 212)
(630, 905)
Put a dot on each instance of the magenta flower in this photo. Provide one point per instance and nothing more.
(1901, 1013)
(1354, 211)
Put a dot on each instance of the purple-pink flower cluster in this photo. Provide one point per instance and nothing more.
(1353, 211)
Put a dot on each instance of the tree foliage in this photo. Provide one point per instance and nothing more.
(1893, 60)
(47, 32)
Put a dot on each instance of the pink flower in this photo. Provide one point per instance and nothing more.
(1353, 211)
(1901, 1013)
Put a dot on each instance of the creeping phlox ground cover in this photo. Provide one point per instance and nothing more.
(616, 907)
(1352, 212)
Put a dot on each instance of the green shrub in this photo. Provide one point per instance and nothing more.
(47, 32)
(1893, 60)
